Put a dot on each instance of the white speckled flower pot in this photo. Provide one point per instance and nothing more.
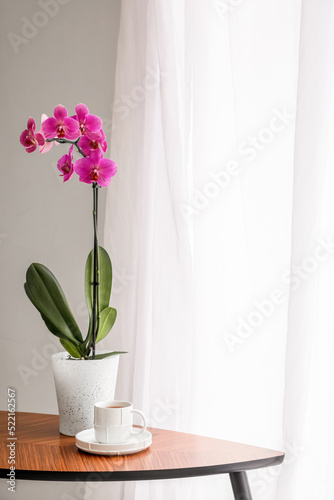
(80, 384)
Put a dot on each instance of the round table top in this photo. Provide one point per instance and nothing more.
(42, 453)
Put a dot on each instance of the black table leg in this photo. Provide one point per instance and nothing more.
(240, 486)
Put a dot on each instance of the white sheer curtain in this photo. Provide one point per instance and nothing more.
(198, 224)
(153, 247)
(309, 394)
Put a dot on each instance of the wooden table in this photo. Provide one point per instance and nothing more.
(42, 453)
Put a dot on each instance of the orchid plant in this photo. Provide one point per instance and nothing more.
(83, 132)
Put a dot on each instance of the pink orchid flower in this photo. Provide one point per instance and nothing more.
(88, 145)
(65, 165)
(89, 125)
(60, 125)
(29, 139)
(47, 145)
(95, 168)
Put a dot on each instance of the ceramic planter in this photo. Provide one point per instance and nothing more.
(79, 385)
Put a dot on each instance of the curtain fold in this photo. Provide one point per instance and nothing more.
(153, 245)
(309, 388)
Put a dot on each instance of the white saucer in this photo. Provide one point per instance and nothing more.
(85, 440)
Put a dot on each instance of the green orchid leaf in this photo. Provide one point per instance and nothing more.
(52, 328)
(104, 278)
(104, 288)
(44, 291)
(70, 348)
(107, 320)
(106, 355)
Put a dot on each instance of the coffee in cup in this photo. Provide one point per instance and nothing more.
(113, 421)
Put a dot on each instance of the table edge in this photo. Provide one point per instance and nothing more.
(143, 475)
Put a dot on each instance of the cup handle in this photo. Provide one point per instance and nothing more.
(139, 431)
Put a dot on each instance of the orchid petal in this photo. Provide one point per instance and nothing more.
(96, 156)
(103, 180)
(65, 165)
(85, 177)
(62, 162)
(40, 139)
(83, 168)
(71, 125)
(68, 176)
(85, 145)
(32, 148)
(93, 123)
(49, 127)
(71, 128)
(94, 136)
(107, 169)
(81, 110)
(72, 136)
(106, 164)
(83, 165)
(23, 137)
(31, 126)
(46, 147)
(60, 112)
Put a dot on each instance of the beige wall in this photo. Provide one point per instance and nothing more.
(68, 58)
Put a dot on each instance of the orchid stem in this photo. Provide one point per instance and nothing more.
(96, 280)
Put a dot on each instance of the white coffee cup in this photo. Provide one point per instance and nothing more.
(113, 421)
